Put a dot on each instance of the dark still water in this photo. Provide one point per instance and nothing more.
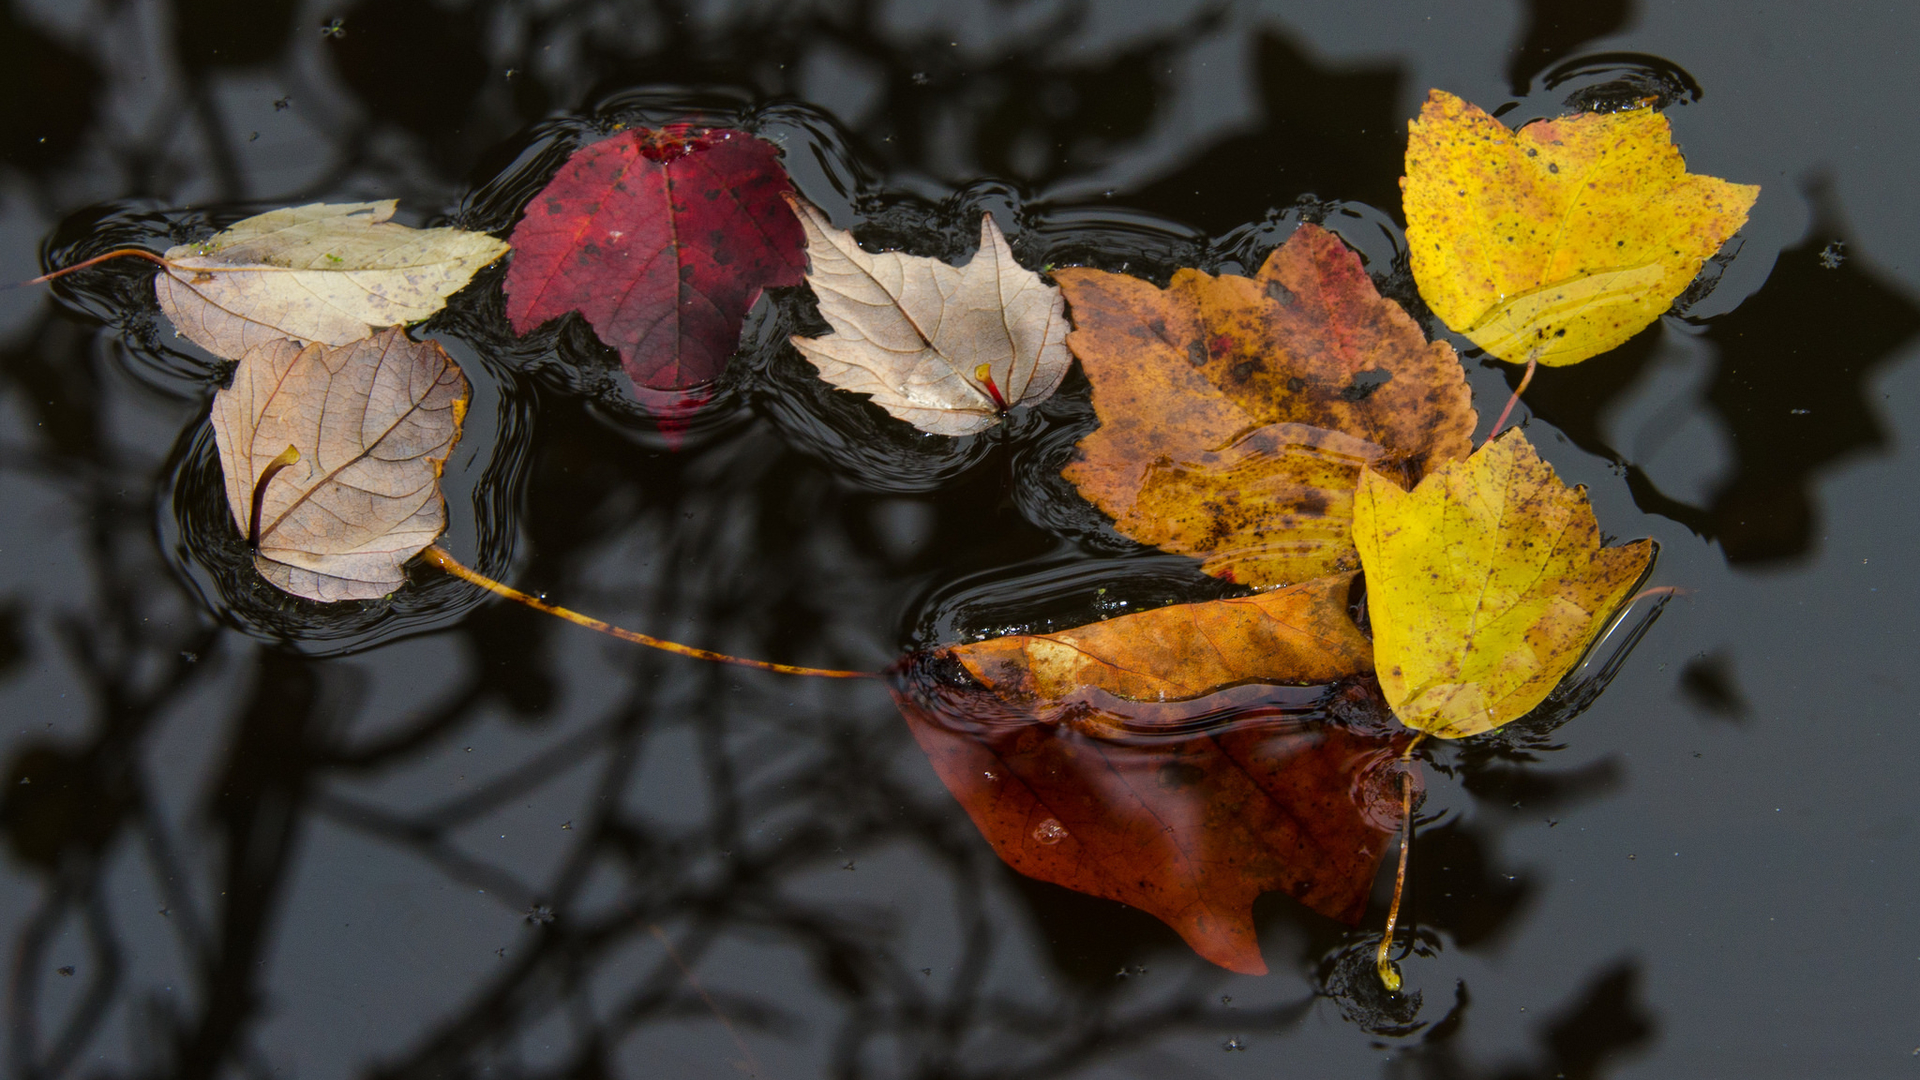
(442, 836)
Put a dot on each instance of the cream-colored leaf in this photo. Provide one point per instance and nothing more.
(916, 333)
(372, 423)
(328, 272)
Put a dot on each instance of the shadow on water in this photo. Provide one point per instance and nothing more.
(1555, 29)
(1791, 372)
(1582, 1040)
(1335, 132)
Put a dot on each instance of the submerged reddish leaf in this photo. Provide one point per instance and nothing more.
(662, 240)
(1186, 809)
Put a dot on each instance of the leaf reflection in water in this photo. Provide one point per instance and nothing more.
(1187, 810)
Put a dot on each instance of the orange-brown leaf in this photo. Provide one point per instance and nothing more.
(1294, 635)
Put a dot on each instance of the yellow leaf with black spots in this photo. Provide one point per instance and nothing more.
(1561, 240)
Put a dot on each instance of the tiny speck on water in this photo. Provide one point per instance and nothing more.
(1234, 1044)
(67, 970)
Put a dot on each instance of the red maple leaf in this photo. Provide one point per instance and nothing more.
(662, 239)
(1186, 810)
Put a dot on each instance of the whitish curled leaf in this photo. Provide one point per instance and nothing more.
(948, 349)
(328, 272)
(371, 424)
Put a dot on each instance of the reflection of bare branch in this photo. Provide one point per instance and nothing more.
(427, 843)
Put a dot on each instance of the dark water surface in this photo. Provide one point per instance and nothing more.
(442, 837)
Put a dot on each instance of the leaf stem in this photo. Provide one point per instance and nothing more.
(439, 557)
(138, 253)
(1389, 974)
(287, 457)
(984, 373)
(200, 272)
(1533, 364)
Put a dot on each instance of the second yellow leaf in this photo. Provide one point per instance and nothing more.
(1486, 584)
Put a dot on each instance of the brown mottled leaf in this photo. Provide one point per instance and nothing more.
(948, 349)
(372, 424)
(1236, 414)
(328, 272)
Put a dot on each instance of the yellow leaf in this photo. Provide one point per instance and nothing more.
(1564, 238)
(1486, 583)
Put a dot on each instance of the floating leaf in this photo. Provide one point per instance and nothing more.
(1485, 585)
(328, 272)
(1561, 240)
(332, 459)
(947, 349)
(662, 240)
(1300, 634)
(1237, 414)
(1188, 809)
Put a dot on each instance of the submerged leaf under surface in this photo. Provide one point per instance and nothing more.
(1187, 810)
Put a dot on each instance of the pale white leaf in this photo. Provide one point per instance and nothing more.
(914, 332)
